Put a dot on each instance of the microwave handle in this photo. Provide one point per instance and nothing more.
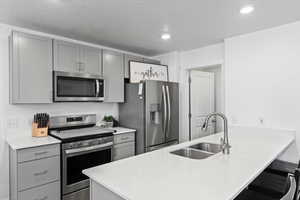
(97, 88)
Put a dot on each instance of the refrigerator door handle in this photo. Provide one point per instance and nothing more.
(169, 111)
(165, 108)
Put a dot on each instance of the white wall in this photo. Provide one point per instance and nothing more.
(198, 58)
(202, 57)
(172, 60)
(219, 101)
(180, 63)
(262, 79)
(16, 119)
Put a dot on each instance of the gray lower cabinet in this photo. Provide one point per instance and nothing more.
(30, 68)
(113, 72)
(35, 173)
(124, 146)
(99, 192)
(49, 191)
(71, 57)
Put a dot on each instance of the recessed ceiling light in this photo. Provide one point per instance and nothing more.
(165, 36)
(247, 10)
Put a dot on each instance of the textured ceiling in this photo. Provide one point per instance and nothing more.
(136, 25)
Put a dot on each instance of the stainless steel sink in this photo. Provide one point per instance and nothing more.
(191, 153)
(199, 151)
(208, 147)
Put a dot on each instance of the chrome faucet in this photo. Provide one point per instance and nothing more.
(224, 141)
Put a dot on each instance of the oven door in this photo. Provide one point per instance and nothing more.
(77, 159)
(77, 87)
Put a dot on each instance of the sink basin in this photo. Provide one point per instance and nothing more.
(191, 153)
(199, 151)
(208, 147)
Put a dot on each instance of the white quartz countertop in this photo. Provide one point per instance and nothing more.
(17, 142)
(160, 175)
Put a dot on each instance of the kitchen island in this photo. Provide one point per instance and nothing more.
(161, 175)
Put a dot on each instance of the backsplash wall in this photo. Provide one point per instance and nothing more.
(16, 119)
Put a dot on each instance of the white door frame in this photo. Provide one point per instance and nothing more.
(188, 111)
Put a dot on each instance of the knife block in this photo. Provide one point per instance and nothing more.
(39, 132)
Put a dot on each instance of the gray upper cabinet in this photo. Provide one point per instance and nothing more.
(113, 72)
(71, 57)
(30, 68)
(91, 60)
(66, 56)
(127, 59)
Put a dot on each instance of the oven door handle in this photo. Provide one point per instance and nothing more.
(88, 149)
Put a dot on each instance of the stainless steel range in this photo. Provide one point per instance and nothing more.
(83, 146)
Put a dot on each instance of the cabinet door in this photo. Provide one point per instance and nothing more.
(49, 191)
(38, 172)
(66, 56)
(124, 150)
(31, 69)
(91, 60)
(113, 72)
(127, 59)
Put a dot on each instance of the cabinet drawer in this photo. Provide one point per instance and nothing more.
(46, 192)
(38, 172)
(124, 137)
(38, 152)
(123, 150)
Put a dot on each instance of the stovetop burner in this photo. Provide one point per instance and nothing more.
(83, 128)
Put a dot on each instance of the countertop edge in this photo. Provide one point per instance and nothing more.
(10, 142)
(240, 189)
(261, 170)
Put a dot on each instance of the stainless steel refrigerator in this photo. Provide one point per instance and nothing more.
(152, 108)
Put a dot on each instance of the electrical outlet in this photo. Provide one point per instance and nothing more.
(261, 121)
(12, 123)
(234, 120)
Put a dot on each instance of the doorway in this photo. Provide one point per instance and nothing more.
(205, 96)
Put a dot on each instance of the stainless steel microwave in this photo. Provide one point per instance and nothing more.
(72, 87)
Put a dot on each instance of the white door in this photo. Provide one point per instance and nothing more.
(202, 102)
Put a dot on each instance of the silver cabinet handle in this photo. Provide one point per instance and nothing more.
(169, 111)
(41, 173)
(40, 153)
(82, 65)
(79, 68)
